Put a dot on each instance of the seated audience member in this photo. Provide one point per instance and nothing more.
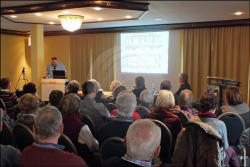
(29, 88)
(235, 104)
(142, 142)
(100, 98)
(165, 85)
(46, 152)
(9, 98)
(78, 132)
(28, 105)
(162, 112)
(9, 155)
(185, 103)
(88, 106)
(114, 84)
(115, 93)
(183, 79)
(73, 87)
(207, 115)
(55, 98)
(147, 99)
(140, 86)
(117, 126)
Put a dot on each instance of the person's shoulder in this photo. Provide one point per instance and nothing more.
(72, 158)
(9, 149)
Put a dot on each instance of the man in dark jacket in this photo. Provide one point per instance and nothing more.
(183, 79)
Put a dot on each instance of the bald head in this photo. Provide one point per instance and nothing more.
(142, 139)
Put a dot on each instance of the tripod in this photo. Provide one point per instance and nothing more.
(22, 76)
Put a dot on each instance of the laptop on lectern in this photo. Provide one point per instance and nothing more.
(58, 74)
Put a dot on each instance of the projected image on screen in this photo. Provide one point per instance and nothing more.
(144, 52)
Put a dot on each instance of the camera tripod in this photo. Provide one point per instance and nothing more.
(22, 76)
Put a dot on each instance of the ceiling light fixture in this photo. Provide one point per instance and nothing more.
(238, 13)
(158, 19)
(100, 19)
(51, 22)
(66, 12)
(97, 8)
(38, 14)
(13, 16)
(71, 22)
(128, 17)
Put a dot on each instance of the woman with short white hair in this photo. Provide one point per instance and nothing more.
(165, 102)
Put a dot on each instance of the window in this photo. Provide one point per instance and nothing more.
(145, 52)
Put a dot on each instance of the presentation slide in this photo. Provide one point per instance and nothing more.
(145, 52)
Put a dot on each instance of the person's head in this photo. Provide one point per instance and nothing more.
(165, 85)
(183, 78)
(165, 99)
(1, 120)
(186, 98)
(29, 88)
(89, 89)
(126, 103)
(143, 140)
(208, 102)
(118, 90)
(97, 84)
(233, 96)
(48, 123)
(70, 105)
(147, 97)
(55, 97)
(139, 82)
(53, 61)
(28, 103)
(114, 84)
(5, 83)
(73, 86)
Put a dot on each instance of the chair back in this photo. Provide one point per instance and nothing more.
(112, 147)
(23, 136)
(183, 117)
(89, 121)
(2, 104)
(113, 128)
(166, 142)
(235, 127)
(69, 146)
(142, 111)
(6, 137)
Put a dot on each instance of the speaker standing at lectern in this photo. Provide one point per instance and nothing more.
(55, 65)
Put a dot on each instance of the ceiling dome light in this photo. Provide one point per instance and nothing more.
(71, 22)
(238, 13)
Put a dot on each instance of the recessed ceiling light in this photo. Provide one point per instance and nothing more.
(238, 13)
(51, 22)
(66, 12)
(128, 16)
(158, 19)
(38, 14)
(100, 19)
(97, 8)
(13, 16)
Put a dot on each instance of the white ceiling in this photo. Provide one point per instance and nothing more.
(169, 11)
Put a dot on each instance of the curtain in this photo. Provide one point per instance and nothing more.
(196, 53)
(221, 52)
(93, 56)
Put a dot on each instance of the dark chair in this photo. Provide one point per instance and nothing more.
(142, 111)
(183, 117)
(113, 128)
(235, 128)
(112, 147)
(6, 137)
(166, 142)
(23, 136)
(2, 104)
(89, 121)
(69, 146)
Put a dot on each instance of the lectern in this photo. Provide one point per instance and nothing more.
(222, 84)
(47, 85)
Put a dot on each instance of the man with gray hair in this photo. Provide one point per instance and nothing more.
(142, 144)
(46, 152)
(73, 87)
(9, 155)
